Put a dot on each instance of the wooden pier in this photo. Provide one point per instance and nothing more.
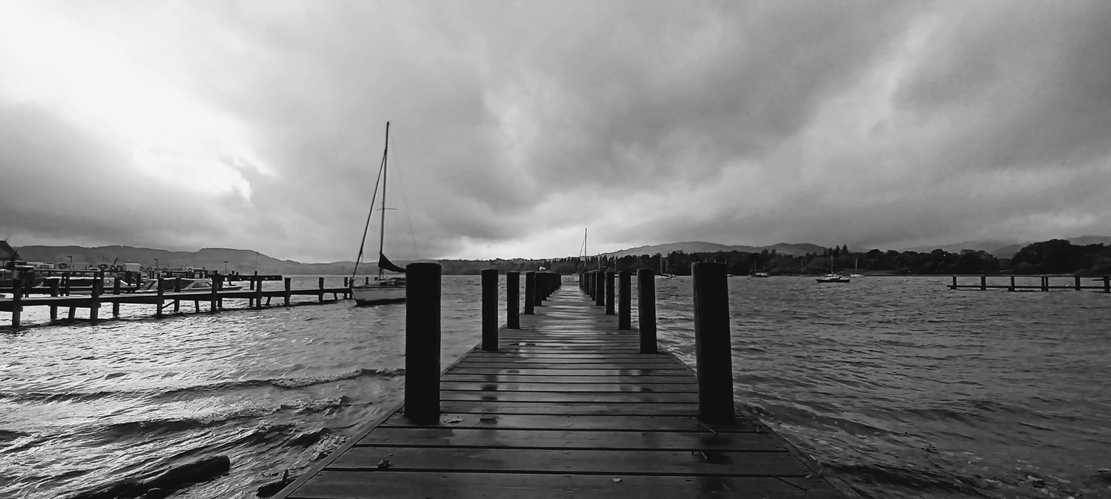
(165, 297)
(563, 403)
(1075, 283)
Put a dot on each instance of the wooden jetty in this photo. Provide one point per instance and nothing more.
(167, 294)
(567, 401)
(1073, 282)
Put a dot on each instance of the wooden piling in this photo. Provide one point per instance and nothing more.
(1012, 286)
(160, 293)
(538, 290)
(599, 288)
(1076, 282)
(625, 313)
(321, 296)
(490, 310)
(512, 300)
(94, 299)
(177, 289)
(983, 282)
(530, 292)
(288, 288)
(1107, 284)
(713, 353)
(610, 291)
(422, 342)
(216, 280)
(54, 283)
(115, 304)
(258, 292)
(17, 301)
(646, 309)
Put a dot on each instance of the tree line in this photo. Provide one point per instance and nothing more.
(1056, 256)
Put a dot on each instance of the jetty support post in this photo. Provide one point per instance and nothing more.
(610, 291)
(177, 289)
(625, 313)
(1045, 284)
(1076, 280)
(538, 290)
(599, 288)
(530, 292)
(216, 280)
(513, 300)
(94, 300)
(646, 309)
(321, 294)
(713, 354)
(1012, 286)
(17, 301)
(1107, 284)
(161, 295)
(115, 303)
(954, 285)
(54, 283)
(490, 310)
(288, 284)
(983, 282)
(422, 342)
(258, 293)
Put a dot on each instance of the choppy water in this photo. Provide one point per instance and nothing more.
(900, 387)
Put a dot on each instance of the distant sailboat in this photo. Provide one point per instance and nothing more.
(856, 266)
(383, 289)
(831, 277)
(663, 268)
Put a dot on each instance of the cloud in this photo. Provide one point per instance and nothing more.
(514, 125)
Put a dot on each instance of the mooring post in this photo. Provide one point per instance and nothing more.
(1045, 284)
(954, 285)
(94, 300)
(513, 300)
(1012, 287)
(177, 289)
(66, 278)
(288, 284)
(983, 282)
(530, 293)
(646, 309)
(610, 292)
(713, 353)
(538, 290)
(216, 281)
(1107, 284)
(600, 288)
(258, 293)
(17, 301)
(54, 283)
(115, 303)
(625, 312)
(321, 283)
(160, 293)
(1077, 279)
(422, 342)
(490, 310)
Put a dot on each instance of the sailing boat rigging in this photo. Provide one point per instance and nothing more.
(383, 289)
(663, 268)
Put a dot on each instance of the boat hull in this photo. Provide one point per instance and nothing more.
(378, 295)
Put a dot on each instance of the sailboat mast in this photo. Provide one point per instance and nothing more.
(382, 231)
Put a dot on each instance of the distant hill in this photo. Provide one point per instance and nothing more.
(792, 249)
(242, 261)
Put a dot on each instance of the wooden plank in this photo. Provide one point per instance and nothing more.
(556, 373)
(569, 397)
(484, 407)
(552, 422)
(624, 381)
(452, 384)
(590, 462)
(400, 484)
(569, 439)
(658, 366)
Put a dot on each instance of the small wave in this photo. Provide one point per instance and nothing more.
(905, 478)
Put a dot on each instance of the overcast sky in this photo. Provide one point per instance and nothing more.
(515, 125)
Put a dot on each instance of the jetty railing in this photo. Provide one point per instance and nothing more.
(1044, 283)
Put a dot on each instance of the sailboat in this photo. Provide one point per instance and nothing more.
(384, 289)
(831, 277)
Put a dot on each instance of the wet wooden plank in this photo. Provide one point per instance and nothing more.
(555, 422)
(624, 381)
(568, 439)
(452, 384)
(569, 397)
(557, 373)
(350, 484)
(631, 409)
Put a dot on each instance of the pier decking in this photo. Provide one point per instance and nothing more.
(566, 407)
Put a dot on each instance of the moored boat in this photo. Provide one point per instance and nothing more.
(384, 289)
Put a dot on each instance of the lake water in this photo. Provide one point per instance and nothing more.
(898, 386)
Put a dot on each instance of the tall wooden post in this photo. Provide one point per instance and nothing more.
(954, 285)
(422, 342)
(115, 303)
(177, 289)
(1045, 284)
(600, 288)
(54, 283)
(216, 281)
(530, 292)
(258, 294)
(17, 301)
(713, 353)
(94, 300)
(288, 285)
(1107, 284)
(160, 294)
(321, 297)
(513, 300)
(1012, 287)
(610, 292)
(490, 310)
(646, 309)
(1077, 279)
(983, 282)
(538, 290)
(625, 312)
